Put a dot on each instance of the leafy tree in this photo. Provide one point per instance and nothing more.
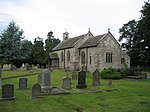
(144, 34)
(51, 42)
(10, 42)
(137, 38)
(38, 51)
(129, 37)
(26, 51)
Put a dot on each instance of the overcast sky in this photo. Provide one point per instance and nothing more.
(38, 17)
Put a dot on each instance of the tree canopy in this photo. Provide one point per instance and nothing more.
(10, 42)
(14, 49)
(136, 36)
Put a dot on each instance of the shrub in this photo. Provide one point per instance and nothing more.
(110, 73)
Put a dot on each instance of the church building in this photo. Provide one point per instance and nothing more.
(88, 52)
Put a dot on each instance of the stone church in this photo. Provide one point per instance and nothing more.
(88, 52)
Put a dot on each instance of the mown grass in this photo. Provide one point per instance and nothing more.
(126, 96)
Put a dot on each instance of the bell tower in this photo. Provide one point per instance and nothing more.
(65, 36)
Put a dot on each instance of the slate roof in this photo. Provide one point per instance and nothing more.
(68, 43)
(92, 42)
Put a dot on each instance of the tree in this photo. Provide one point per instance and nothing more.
(10, 42)
(51, 42)
(144, 33)
(26, 51)
(137, 38)
(129, 33)
(38, 51)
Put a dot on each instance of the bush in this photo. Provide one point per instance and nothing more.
(110, 74)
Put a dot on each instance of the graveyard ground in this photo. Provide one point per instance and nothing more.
(124, 96)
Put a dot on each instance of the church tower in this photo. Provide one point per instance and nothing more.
(65, 36)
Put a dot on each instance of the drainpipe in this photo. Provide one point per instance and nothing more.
(86, 58)
(64, 58)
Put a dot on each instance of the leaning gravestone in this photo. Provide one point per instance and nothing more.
(8, 92)
(0, 76)
(23, 84)
(96, 78)
(81, 80)
(36, 91)
(46, 79)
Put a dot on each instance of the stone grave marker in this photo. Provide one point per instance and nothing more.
(96, 78)
(81, 80)
(66, 80)
(74, 75)
(46, 81)
(8, 92)
(66, 83)
(0, 76)
(110, 82)
(40, 78)
(23, 84)
(36, 91)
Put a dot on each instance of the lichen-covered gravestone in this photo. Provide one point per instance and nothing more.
(96, 78)
(23, 84)
(46, 81)
(81, 80)
(8, 92)
(36, 91)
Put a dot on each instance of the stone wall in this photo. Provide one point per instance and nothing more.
(95, 57)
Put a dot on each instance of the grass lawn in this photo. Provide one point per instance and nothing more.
(126, 96)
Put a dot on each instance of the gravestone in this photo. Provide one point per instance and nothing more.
(110, 82)
(8, 92)
(66, 82)
(23, 84)
(96, 78)
(0, 76)
(13, 68)
(74, 75)
(81, 80)
(40, 78)
(46, 79)
(36, 91)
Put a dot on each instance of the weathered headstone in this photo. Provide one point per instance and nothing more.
(74, 75)
(23, 84)
(46, 79)
(13, 68)
(81, 80)
(40, 78)
(110, 82)
(96, 78)
(66, 82)
(0, 76)
(8, 92)
(36, 91)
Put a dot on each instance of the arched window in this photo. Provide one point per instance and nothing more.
(82, 58)
(62, 56)
(108, 57)
(68, 56)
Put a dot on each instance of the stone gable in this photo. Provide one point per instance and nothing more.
(90, 52)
